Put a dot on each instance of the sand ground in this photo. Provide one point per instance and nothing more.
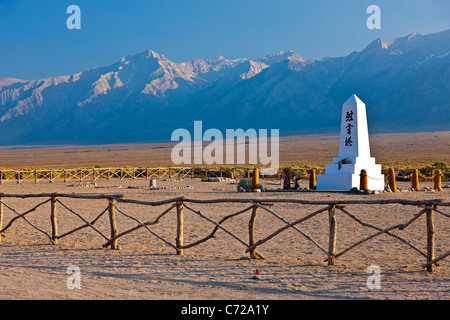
(410, 150)
(146, 268)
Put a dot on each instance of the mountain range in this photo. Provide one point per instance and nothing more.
(405, 83)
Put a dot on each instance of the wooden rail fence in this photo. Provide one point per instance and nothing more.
(94, 174)
(181, 206)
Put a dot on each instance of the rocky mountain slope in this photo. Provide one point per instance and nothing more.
(405, 83)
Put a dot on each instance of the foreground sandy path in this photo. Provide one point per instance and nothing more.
(146, 268)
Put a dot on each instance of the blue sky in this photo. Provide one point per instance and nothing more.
(35, 42)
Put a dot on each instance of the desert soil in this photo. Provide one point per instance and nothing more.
(411, 150)
(147, 268)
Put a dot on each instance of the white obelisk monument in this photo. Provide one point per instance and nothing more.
(354, 153)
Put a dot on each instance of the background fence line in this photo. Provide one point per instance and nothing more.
(181, 205)
(94, 174)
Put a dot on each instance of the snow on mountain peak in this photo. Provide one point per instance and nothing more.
(412, 35)
(218, 58)
(153, 54)
(5, 82)
(281, 56)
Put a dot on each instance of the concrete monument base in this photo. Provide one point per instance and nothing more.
(344, 176)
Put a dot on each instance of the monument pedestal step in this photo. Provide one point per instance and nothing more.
(346, 181)
(354, 167)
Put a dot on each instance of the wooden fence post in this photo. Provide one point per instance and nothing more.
(255, 179)
(54, 220)
(415, 180)
(437, 180)
(391, 180)
(312, 179)
(430, 238)
(113, 224)
(180, 222)
(332, 235)
(363, 180)
(1, 217)
(251, 232)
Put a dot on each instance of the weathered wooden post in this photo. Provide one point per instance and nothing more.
(1, 217)
(251, 232)
(332, 235)
(35, 176)
(312, 179)
(415, 180)
(180, 227)
(430, 238)
(255, 179)
(54, 220)
(391, 180)
(112, 222)
(437, 180)
(363, 180)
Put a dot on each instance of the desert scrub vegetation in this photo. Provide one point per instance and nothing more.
(246, 184)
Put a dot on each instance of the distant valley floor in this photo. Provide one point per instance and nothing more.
(396, 149)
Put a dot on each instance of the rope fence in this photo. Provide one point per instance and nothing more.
(183, 208)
